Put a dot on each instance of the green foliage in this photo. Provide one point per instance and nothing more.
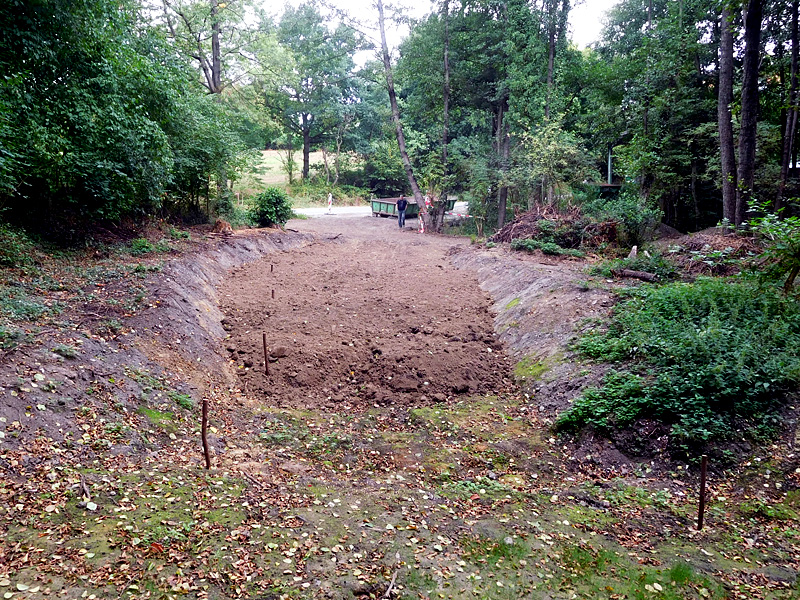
(183, 400)
(655, 263)
(66, 351)
(99, 119)
(552, 155)
(141, 246)
(636, 220)
(178, 234)
(18, 306)
(10, 337)
(16, 250)
(707, 357)
(271, 207)
(781, 256)
(550, 248)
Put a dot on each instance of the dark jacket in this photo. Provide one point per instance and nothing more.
(402, 204)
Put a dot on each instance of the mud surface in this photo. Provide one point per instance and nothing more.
(368, 315)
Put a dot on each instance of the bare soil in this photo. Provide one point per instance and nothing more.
(375, 316)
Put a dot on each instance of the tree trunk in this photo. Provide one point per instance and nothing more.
(398, 126)
(306, 147)
(724, 118)
(441, 207)
(216, 53)
(339, 138)
(325, 164)
(551, 59)
(503, 143)
(792, 113)
(747, 133)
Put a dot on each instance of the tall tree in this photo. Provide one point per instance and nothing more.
(790, 129)
(724, 117)
(213, 34)
(754, 11)
(306, 81)
(401, 141)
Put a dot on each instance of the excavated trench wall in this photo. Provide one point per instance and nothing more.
(171, 346)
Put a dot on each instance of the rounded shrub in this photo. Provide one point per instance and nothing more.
(271, 207)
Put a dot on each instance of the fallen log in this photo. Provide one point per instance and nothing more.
(643, 275)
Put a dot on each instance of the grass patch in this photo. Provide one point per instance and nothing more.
(162, 419)
(481, 548)
(513, 303)
(530, 368)
(482, 486)
(704, 358)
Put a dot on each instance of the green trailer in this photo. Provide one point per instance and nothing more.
(387, 207)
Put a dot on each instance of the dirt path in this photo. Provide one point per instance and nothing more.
(370, 315)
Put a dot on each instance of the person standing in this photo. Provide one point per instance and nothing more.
(330, 203)
(402, 205)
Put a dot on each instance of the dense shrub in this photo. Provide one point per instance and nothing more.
(100, 119)
(271, 207)
(706, 357)
(637, 221)
(781, 257)
(550, 248)
(653, 263)
(15, 247)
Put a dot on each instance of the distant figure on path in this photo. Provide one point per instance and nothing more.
(402, 205)
(330, 203)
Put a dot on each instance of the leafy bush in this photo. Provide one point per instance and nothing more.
(271, 207)
(141, 246)
(706, 357)
(18, 306)
(66, 351)
(178, 234)
(10, 337)
(550, 248)
(781, 258)
(16, 249)
(655, 263)
(637, 220)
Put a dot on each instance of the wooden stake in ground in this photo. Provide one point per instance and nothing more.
(266, 354)
(702, 504)
(204, 434)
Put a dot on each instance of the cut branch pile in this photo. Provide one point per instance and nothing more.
(573, 229)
